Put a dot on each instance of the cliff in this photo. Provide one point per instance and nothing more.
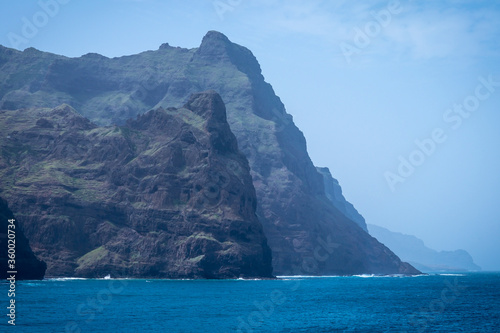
(167, 195)
(306, 232)
(333, 192)
(27, 266)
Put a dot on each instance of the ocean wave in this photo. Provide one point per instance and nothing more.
(307, 276)
(65, 279)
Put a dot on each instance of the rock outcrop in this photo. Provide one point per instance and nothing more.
(167, 195)
(306, 232)
(25, 264)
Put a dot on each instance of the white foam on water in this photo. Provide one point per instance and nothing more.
(31, 284)
(306, 276)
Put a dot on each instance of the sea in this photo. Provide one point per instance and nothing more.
(458, 302)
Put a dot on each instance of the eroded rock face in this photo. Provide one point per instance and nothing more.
(333, 192)
(27, 266)
(306, 232)
(167, 195)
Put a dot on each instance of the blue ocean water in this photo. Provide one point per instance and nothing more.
(468, 302)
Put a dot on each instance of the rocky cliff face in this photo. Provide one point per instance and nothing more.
(306, 232)
(166, 195)
(27, 266)
(413, 250)
(333, 192)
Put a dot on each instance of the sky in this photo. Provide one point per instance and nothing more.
(400, 99)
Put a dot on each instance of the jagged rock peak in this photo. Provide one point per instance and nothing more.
(65, 109)
(207, 104)
(165, 46)
(214, 36)
(70, 117)
(215, 47)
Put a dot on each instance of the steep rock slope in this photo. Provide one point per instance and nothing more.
(167, 195)
(27, 266)
(413, 250)
(333, 192)
(306, 232)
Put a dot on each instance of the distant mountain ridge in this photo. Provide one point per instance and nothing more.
(307, 233)
(413, 250)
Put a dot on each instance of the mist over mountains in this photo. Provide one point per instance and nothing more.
(414, 251)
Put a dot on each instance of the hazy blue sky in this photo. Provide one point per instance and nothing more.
(362, 91)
